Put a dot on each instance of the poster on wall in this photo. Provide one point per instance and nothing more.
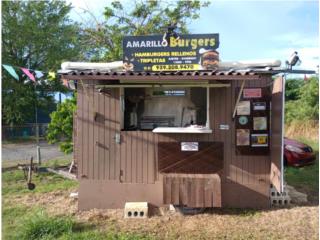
(252, 93)
(259, 140)
(260, 123)
(259, 106)
(243, 137)
(243, 120)
(243, 108)
(159, 53)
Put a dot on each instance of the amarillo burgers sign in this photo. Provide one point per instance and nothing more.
(155, 53)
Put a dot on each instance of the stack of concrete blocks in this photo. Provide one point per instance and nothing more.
(279, 199)
(136, 210)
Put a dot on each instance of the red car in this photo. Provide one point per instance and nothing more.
(297, 154)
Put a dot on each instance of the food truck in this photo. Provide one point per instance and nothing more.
(173, 124)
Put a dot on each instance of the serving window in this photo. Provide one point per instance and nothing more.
(170, 109)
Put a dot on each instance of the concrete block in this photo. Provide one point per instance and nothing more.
(136, 210)
(172, 208)
(279, 199)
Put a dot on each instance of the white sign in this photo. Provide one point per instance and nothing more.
(224, 127)
(189, 146)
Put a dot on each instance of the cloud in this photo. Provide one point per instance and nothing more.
(296, 39)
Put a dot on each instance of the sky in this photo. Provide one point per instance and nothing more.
(249, 30)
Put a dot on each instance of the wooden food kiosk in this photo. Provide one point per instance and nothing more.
(173, 125)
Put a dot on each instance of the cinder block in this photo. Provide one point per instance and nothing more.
(136, 210)
(279, 199)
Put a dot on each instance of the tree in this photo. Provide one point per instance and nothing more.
(104, 39)
(306, 106)
(38, 35)
(292, 89)
(61, 126)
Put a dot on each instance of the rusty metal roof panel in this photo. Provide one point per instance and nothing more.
(187, 74)
(178, 73)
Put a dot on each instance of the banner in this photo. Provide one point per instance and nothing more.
(28, 73)
(51, 75)
(157, 53)
(11, 71)
(39, 74)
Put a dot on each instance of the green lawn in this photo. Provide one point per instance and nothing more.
(25, 223)
(306, 179)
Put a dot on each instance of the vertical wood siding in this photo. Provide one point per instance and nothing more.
(100, 158)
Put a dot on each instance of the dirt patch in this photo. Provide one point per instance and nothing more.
(299, 222)
(57, 203)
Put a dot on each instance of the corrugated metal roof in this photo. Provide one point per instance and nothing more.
(176, 73)
(233, 74)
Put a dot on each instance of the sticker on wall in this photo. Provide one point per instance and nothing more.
(224, 127)
(243, 108)
(252, 93)
(189, 146)
(259, 106)
(259, 140)
(243, 120)
(243, 137)
(260, 123)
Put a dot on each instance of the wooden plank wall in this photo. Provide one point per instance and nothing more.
(200, 190)
(100, 158)
(207, 160)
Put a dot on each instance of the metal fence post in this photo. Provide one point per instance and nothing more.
(38, 155)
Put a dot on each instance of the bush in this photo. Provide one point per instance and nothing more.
(306, 104)
(61, 126)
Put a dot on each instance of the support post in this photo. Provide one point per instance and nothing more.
(238, 99)
(38, 155)
(208, 108)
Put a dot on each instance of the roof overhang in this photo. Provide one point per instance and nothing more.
(247, 74)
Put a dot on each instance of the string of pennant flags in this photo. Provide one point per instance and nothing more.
(33, 75)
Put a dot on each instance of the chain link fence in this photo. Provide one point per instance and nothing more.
(27, 131)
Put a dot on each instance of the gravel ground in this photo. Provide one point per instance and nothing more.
(19, 152)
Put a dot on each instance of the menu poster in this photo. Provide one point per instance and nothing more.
(252, 93)
(243, 137)
(259, 140)
(243, 108)
(259, 106)
(260, 123)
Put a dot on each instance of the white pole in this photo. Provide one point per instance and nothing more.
(208, 108)
(282, 132)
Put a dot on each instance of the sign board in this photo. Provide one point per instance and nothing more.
(252, 93)
(224, 127)
(189, 146)
(259, 140)
(157, 53)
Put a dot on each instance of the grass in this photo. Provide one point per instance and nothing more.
(14, 183)
(59, 161)
(306, 179)
(24, 222)
(20, 222)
